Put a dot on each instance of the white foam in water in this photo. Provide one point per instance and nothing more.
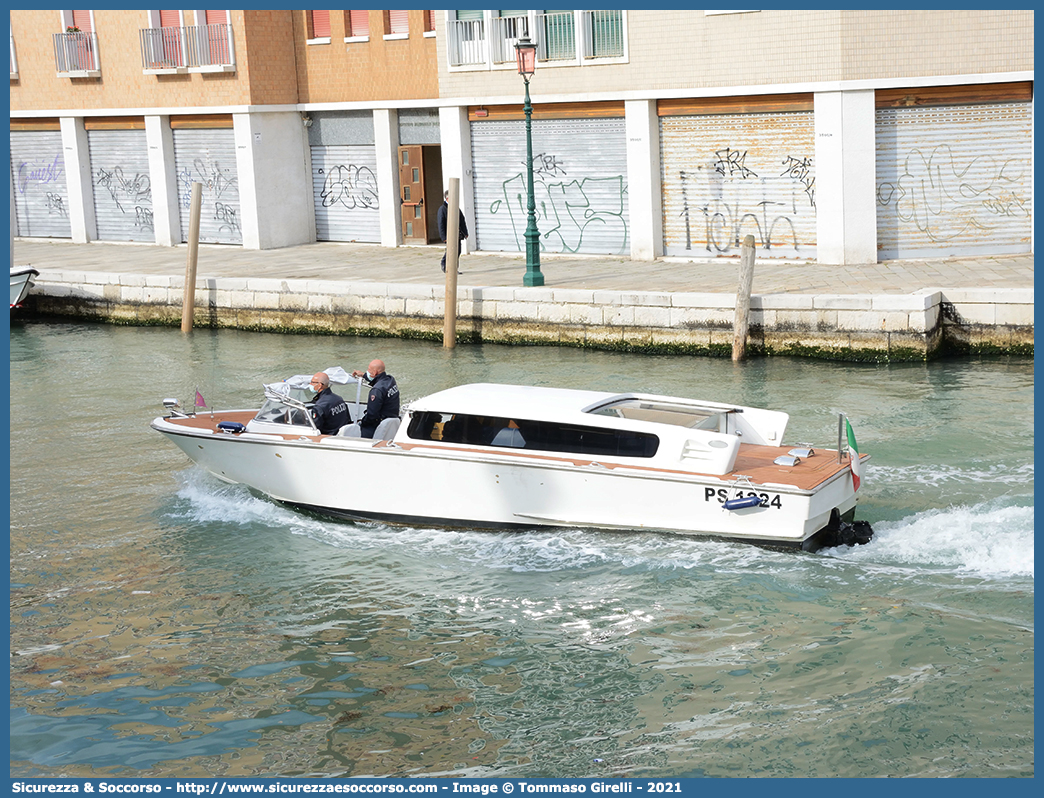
(935, 475)
(987, 540)
(212, 501)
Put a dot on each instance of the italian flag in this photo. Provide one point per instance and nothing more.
(853, 454)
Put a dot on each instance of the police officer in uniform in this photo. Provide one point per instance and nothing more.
(383, 401)
(329, 411)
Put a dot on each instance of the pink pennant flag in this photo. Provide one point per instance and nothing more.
(199, 400)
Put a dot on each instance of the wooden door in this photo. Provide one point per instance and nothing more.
(411, 188)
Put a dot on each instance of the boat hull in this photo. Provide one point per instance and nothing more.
(21, 283)
(475, 488)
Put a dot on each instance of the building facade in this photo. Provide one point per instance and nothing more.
(835, 136)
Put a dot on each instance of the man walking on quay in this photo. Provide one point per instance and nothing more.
(443, 227)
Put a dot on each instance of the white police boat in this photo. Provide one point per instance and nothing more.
(490, 456)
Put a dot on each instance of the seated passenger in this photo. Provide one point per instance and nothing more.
(453, 430)
(329, 412)
(510, 435)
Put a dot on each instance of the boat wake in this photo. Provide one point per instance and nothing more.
(935, 475)
(991, 540)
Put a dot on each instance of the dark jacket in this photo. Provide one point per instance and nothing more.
(383, 403)
(444, 221)
(329, 412)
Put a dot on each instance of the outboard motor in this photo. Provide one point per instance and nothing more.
(840, 533)
(858, 533)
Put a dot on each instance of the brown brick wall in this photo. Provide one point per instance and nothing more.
(360, 71)
(270, 59)
(122, 84)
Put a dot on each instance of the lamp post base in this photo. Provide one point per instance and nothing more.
(533, 277)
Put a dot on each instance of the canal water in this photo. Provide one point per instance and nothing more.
(166, 624)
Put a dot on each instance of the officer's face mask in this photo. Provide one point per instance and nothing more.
(369, 377)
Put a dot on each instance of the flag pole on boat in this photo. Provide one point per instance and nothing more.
(199, 401)
(853, 456)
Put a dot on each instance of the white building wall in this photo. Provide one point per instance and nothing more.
(455, 133)
(165, 216)
(643, 179)
(76, 155)
(275, 198)
(386, 144)
(846, 211)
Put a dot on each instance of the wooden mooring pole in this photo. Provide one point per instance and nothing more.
(746, 281)
(188, 303)
(449, 324)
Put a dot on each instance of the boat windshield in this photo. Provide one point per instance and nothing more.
(681, 415)
(280, 413)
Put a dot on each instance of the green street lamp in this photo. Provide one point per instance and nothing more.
(525, 53)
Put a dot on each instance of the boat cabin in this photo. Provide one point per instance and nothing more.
(704, 436)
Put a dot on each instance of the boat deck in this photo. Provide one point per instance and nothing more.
(757, 463)
(752, 460)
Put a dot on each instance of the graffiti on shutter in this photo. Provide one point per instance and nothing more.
(726, 176)
(579, 180)
(208, 157)
(121, 185)
(954, 180)
(38, 175)
(344, 185)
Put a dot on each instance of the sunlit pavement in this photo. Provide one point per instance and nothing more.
(420, 265)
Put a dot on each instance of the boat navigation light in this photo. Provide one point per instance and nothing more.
(170, 404)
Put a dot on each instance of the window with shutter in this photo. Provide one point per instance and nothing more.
(429, 21)
(320, 24)
(216, 17)
(82, 20)
(397, 23)
(359, 23)
(166, 47)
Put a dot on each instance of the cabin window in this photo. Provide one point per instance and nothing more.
(544, 436)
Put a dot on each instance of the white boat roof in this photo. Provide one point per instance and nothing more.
(535, 402)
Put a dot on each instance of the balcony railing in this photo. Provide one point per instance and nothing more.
(179, 49)
(76, 54)
(556, 36)
(504, 34)
(467, 42)
(163, 49)
(561, 36)
(603, 34)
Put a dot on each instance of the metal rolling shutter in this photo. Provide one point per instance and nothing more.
(954, 180)
(344, 183)
(38, 175)
(121, 185)
(580, 183)
(208, 156)
(726, 176)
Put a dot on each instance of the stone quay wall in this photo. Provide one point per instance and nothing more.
(856, 327)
